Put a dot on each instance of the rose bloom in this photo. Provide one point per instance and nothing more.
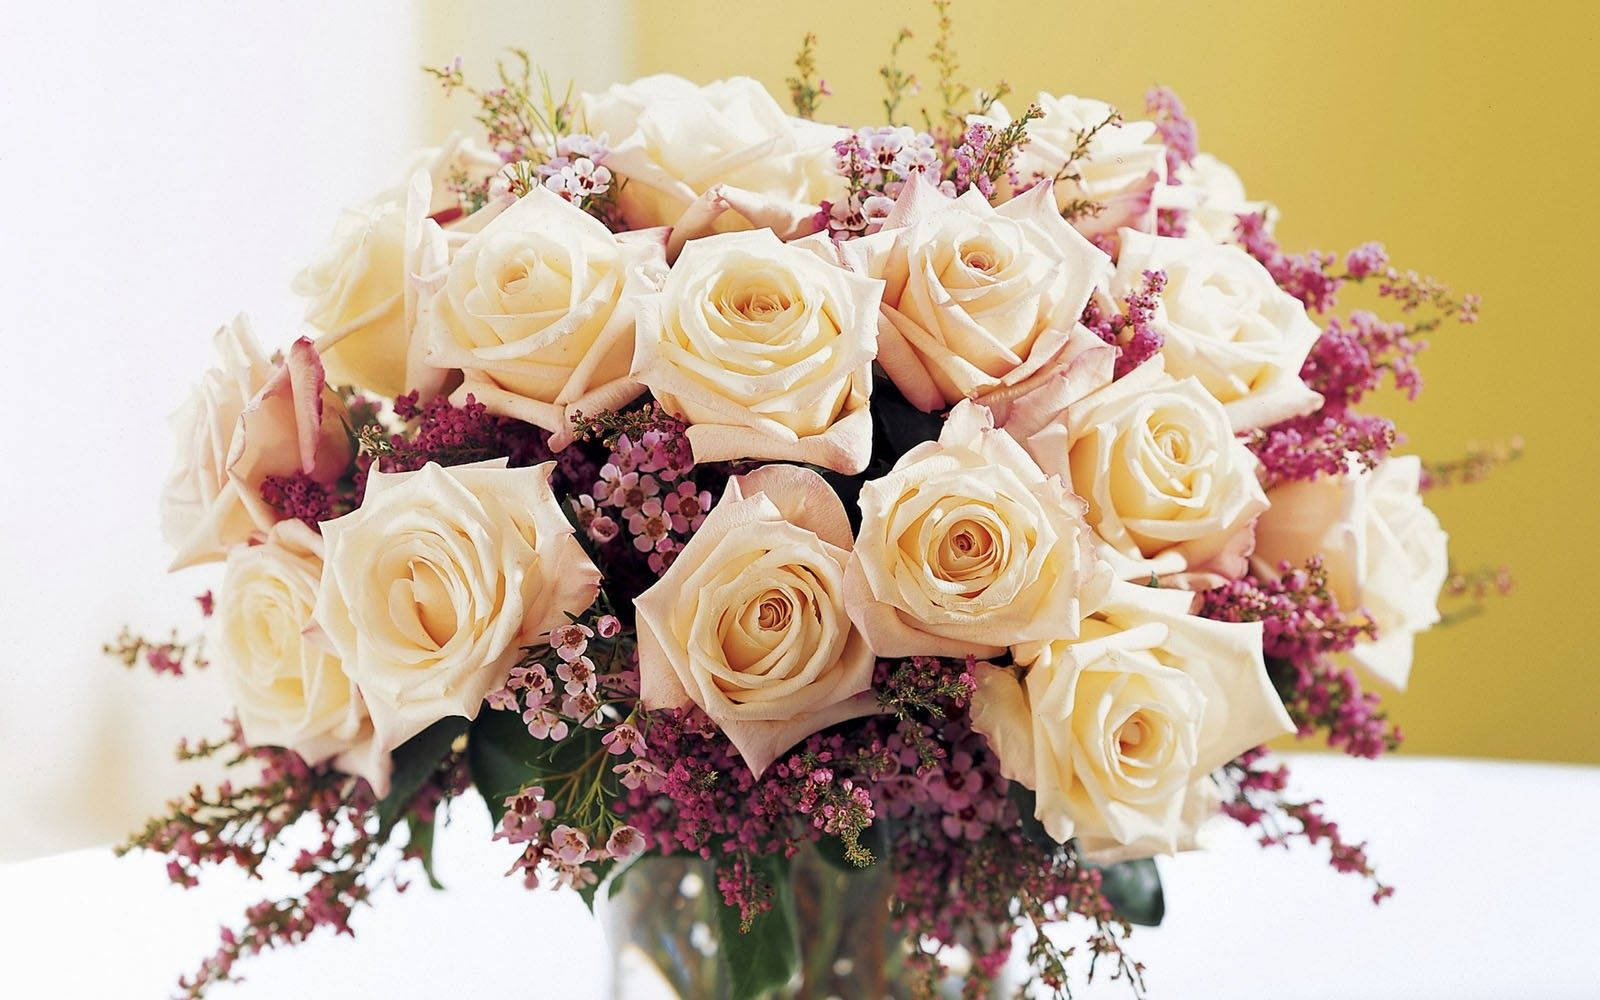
(966, 547)
(246, 420)
(1122, 167)
(357, 288)
(1228, 324)
(1118, 730)
(975, 300)
(1383, 550)
(537, 312)
(749, 623)
(435, 583)
(1171, 492)
(288, 686)
(765, 349)
(1211, 197)
(727, 145)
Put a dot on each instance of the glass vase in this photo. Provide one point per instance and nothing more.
(661, 925)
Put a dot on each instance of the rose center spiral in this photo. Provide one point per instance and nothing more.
(773, 611)
(759, 305)
(979, 260)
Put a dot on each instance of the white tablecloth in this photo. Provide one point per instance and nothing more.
(1495, 865)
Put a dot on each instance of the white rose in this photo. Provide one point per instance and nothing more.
(537, 312)
(288, 686)
(1383, 550)
(359, 286)
(727, 145)
(1121, 168)
(248, 420)
(1169, 488)
(765, 348)
(975, 300)
(436, 582)
(966, 547)
(1118, 730)
(749, 623)
(1228, 324)
(1211, 197)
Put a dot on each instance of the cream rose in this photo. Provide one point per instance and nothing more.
(1383, 550)
(749, 623)
(1226, 323)
(765, 348)
(1211, 197)
(1116, 731)
(1121, 168)
(289, 688)
(975, 300)
(360, 285)
(717, 158)
(537, 313)
(966, 547)
(435, 583)
(248, 420)
(1170, 491)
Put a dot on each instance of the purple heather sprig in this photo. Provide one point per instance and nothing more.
(986, 153)
(1172, 222)
(299, 496)
(1349, 359)
(1176, 128)
(1303, 628)
(532, 131)
(1322, 444)
(520, 117)
(806, 90)
(1128, 328)
(1473, 467)
(1467, 592)
(1298, 613)
(1254, 795)
(241, 824)
(170, 656)
(698, 795)
(1308, 277)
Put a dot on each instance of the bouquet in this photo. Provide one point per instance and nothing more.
(943, 514)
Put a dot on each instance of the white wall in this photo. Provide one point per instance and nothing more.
(589, 43)
(166, 166)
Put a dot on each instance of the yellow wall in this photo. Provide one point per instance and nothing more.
(1463, 135)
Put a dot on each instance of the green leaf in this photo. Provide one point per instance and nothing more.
(414, 761)
(617, 882)
(1134, 890)
(765, 957)
(421, 834)
(900, 425)
(503, 757)
(1027, 804)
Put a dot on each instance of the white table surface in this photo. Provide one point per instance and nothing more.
(1495, 865)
